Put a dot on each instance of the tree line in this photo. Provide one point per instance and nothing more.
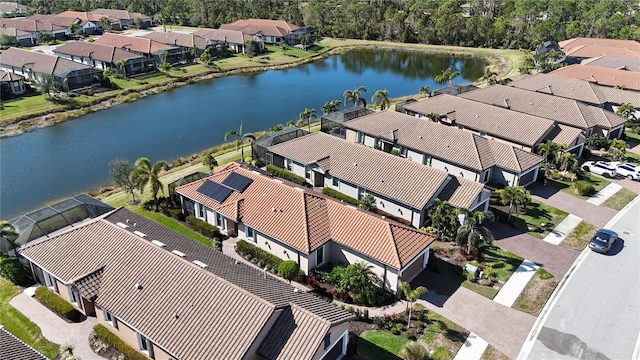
(478, 23)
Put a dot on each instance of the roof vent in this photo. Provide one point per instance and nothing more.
(381, 180)
(295, 290)
(137, 286)
(139, 233)
(179, 253)
(237, 262)
(530, 103)
(355, 164)
(158, 243)
(477, 116)
(176, 316)
(420, 137)
(124, 226)
(273, 209)
(127, 221)
(200, 263)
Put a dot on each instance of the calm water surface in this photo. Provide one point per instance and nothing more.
(72, 157)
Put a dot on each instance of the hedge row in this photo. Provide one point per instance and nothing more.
(282, 173)
(12, 269)
(202, 227)
(112, 339)
(342, 197)
(57, 304)
(245, 248)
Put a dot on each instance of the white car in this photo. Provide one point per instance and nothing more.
(601, 168)
(630, 171)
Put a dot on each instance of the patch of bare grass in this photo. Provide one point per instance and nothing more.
(492, 353)
(580, 236)
(619, 199)
(536, 293)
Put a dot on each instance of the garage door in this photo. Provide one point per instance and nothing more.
(527, 178)
(335, 352)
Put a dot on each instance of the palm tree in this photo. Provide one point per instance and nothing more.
(145, 173)
(354, 96)
(472, 232)
(205, 57)
(105, 23)
(414, 351)
(442, 216)
(8, 231)
(514, 196)
(567, 161)
(284, 47)
(193, 51)
(433, 116)
(548, 150)
(122, 65)
(595, 141)
(447, 75)
(412, 295)
(359, 279)
(331, 106)
(489, 76)
(425, 90)
(381, 99)
(307, 115)
(627, 110)
(291, 123)
(241, 139)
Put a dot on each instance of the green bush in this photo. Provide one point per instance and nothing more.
(112, 339)
(250, 250)
(12, 269)
(57, 304)
(203, 227)
(440, 353)
(217, 244)
(177, 214)
(284, 174)
(288, 269)
(340, 196)
(584, 188)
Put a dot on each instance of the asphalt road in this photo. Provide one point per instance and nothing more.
(597, 313)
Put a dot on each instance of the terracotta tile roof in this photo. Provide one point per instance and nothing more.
(382, 173)
(138, 44)
(106, 53)
(235, 321)
(13, 31)
(9, 77)
(562, 110)
(225, 35)
(298, 326)
(12, 348)
(630, 44)
(614, 62)
(8, 6)
(120, 14)
(593, 47)
(561, 86)
(444, 142)
(311, 219)
(62, 22)
(30, 26)
(40, 63)
(601, 76)
(84, 16)
(277, 28)
(501, 123)
(178, 39)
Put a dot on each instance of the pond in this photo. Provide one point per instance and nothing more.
(71, 157)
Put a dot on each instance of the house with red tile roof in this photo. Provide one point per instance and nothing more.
(22, 38)
(123, 18)
(305, 226)
(270, 31)
(104, 57)
(35, 27)
(628, 80)
(231, 39)
(585, 48)
(147, 47)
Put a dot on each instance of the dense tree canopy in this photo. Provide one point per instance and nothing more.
(486, 23)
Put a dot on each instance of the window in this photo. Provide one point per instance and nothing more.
(201, 210)
(144, 345)
(220, 221)
(327, 341)
(109, 319)
(485, 176)
(461, 127)
(307, 172)
(50, 281)
(361, 193)
(403, 152)
(320, 256)
(334, 181)
(16, 86)
(288, 164)
(74, 298)
(251, 234)
(426, 160)
(483, 134)
(361, 137)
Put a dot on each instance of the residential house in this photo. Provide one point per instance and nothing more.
(35, 27)
(628, 80)
(123, 18)
(14, 348)
(170, 297)
(33, 65)
(89, 18)
(590, 119)
(11, 84)
(149, 48)
(87, 27)
(186, 42)
(231, 39)
(463, 154)
(270, 31)
(585, 48)
(104, 57)
(614, 62)
(548, 47)
(13, 9)
(401, 188)
(511, 127)
(16, 37)
(292, 223)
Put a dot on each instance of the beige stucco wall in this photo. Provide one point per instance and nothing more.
(336, 333)
(275, 247)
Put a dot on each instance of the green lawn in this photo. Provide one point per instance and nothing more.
(172, 224)
(633, 136)
(26, 105)
(442, 332)
(532, 217)
(536, 293)
(380, 345)
(19, 325)
(618, 200)
(580, 236)
(566, 186)
(632, 157)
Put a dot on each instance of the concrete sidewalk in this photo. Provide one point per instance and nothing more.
(57, 330)
(563, 229)
(472, 349)
(516, 283)
(602, 195)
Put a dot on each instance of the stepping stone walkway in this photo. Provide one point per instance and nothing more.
(563, 229)
(472, 349)
(604, 194)
(516, 283)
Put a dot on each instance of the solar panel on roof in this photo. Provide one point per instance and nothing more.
(214, 191)
(237, 182)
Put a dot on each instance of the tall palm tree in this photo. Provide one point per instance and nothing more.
(627, 110)
(307, 115)
(412, 295)
(193, 51)
(331, 106)
(425, 90)
(442, 216)
(145, 173)
(472, 233)
(414, 351)
(360, 280)
(241, 139)
(122, 65)
(567, 161)
(433, 116)
(8, 231)
(447, 75)
(548, 150)
(354, 96)
(515, 196)
(381, 99)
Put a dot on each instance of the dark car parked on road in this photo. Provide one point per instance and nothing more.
(603, 240)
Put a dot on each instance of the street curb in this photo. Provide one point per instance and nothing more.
(533, 334)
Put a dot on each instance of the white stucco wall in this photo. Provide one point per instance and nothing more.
(503, 176)
(340, 255)
(275, 247)
(455, 170)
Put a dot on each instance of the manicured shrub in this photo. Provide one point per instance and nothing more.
(584, 188)
(57, 304)
(177, 214)
(217, 244)
(284, 174)
(11, 269)
(288, 269)
(112, 339)
(340, 196)
(202, 227)
(249, 250)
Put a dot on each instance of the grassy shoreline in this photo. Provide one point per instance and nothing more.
(42, 112)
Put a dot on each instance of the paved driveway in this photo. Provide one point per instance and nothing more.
(503, 327)
(596, 215)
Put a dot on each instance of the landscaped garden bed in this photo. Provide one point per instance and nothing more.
(352, 284)
(536, 293)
